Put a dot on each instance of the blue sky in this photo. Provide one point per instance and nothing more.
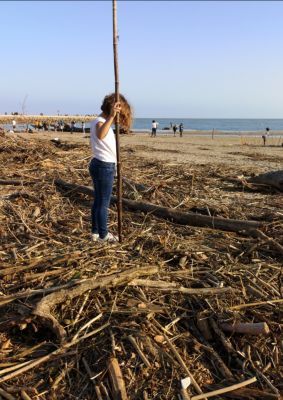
(202, 59)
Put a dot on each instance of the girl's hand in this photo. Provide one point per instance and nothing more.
(116, 109)
(102, 129)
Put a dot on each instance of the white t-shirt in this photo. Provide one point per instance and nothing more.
(155, 125)
(103, 149)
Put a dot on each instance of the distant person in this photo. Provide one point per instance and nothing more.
(72, 126)
(174, 129)
(264, 139)
(62, 126)
(264, 136)
(181, 129)
(154, 128)
(30, 129)
(83, 127)
(14, 124)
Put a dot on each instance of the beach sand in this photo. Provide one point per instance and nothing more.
(246, 151)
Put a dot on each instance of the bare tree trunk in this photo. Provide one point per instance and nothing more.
(182, 218)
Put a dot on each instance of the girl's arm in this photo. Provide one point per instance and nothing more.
(102, 128)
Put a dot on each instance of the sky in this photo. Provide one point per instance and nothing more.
(187, 59)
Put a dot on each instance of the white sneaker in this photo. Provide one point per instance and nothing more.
(109, 238)
(94, 237)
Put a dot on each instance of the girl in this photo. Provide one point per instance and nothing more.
(103, 164)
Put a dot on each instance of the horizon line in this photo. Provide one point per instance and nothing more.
(209, 117)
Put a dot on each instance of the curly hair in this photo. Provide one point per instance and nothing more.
(126, 113)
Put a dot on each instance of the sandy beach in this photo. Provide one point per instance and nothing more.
(245, 151)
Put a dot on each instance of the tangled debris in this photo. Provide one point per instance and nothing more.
(174, 312)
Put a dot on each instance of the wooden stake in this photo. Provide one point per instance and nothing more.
(117, 128)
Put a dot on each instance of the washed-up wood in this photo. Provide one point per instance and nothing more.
(139, 351)
(170, 214)
(249, 328)
(46, 247)
(183, 365)
(203, 326)
(246, 393)
(138, 187)
(118, 383)
(273, 179)
(25, 396)
(269, 240)
(184, 394)
(212, 354)
(60, 352)
(175, 287)
(224, 390)
(6, 395)
(43, 309)
(14, 182)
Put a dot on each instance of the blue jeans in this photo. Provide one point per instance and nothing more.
(102, 174)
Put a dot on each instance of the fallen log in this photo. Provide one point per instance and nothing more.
(44, 307)
(273, 179)
(182, 218)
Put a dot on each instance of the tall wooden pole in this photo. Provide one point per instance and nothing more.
(117, 128)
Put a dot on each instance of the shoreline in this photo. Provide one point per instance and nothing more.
(168, 133)
(209, 133)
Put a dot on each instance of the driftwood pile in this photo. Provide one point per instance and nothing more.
(183, 308)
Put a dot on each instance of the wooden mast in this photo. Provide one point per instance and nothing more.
(117, 128)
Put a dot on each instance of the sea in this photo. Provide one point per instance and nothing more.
(220, 125)
(207, 124)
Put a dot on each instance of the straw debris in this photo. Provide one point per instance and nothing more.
(134, 320)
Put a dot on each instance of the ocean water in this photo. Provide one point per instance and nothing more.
(224, 125)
